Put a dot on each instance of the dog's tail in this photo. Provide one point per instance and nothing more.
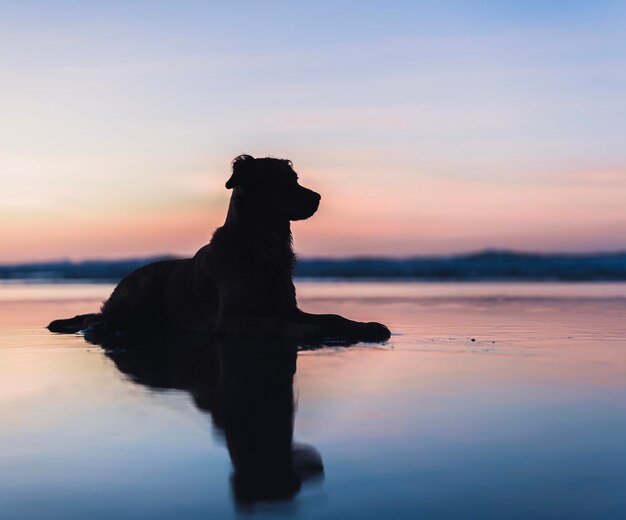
(71, 325)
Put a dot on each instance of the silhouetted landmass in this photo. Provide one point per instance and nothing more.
(487, 265)
(484, 266)
(87, 270)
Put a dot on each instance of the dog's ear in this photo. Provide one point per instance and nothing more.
(241, 164)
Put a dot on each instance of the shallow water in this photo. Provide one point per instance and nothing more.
(489, 401)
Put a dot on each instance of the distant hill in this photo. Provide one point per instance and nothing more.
(86, 270)
(483, 266)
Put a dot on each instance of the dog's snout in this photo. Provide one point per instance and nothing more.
(305, 204)
(314, 195)
(316, 199)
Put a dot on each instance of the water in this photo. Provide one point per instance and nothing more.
(490, 401)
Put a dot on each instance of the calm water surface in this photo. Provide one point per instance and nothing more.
(489, 401)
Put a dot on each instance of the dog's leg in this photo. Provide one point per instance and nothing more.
(72, 325)
(340, 328)
(255, 326)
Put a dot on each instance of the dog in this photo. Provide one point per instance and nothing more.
(240, 284)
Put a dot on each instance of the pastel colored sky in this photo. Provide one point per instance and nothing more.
(428, 127)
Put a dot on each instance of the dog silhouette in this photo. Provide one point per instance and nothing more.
(240, 284)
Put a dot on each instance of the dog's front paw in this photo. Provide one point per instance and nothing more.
(373, 331)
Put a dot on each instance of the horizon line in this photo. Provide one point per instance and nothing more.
(468, 253)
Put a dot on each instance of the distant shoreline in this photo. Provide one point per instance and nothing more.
(486, 266)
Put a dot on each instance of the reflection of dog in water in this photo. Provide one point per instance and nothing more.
(248, 390)
(240, 284)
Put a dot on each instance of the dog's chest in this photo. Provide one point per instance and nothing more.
(261, 263)
(271, 280)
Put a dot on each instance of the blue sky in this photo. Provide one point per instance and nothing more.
(429, 127)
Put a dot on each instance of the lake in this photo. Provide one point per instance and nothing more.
(489, 401)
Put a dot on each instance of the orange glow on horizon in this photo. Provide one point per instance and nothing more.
(420, 216)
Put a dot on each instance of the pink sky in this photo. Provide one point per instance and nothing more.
(416, 215)
(426, 132)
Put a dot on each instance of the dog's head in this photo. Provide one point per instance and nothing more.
(270, 186)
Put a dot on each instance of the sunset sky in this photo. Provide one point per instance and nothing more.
(428, 127)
